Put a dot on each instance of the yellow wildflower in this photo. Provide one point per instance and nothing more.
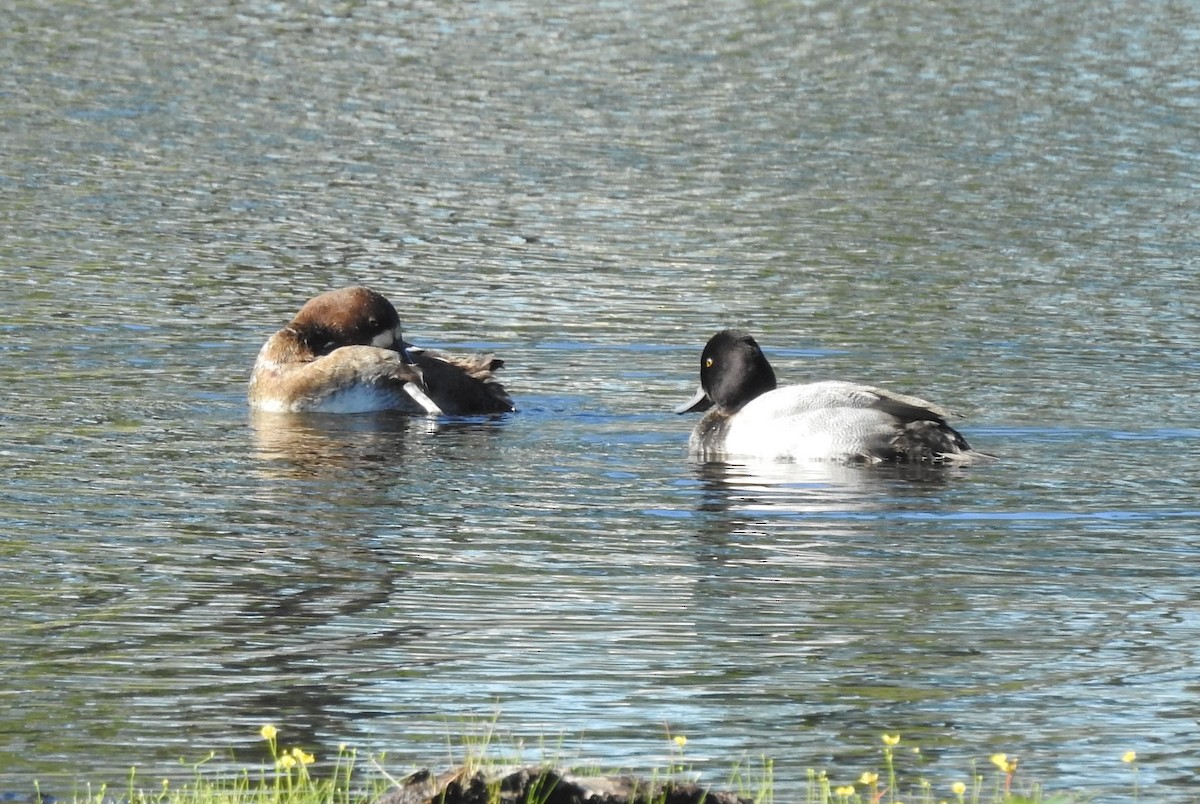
(268, 732)
(1129, 756)
(845, 791)
(305, 759)
(680, 740)
(1001, 761)
(868, 778)
(891, 739)
(958, 788)
(286, 762)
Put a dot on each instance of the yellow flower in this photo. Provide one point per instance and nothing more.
(958, 788)
(845, 791)
(868, 778)
(1001, 762)
(286, 762)
(1129, 756)
(680, 740)
(268, 732)
(891, 739)
(305, 759)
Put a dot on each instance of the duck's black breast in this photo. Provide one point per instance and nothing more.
(708, 436)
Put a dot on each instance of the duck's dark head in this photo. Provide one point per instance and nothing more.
(733, 371)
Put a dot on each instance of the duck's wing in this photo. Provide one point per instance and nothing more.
(887, 426)
(820, 396)
(462, 384)
(921, 433)
(904, 407)
(352, 379)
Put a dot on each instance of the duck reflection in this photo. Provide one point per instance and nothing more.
(308, 445)
(813, 486)
(321, 445)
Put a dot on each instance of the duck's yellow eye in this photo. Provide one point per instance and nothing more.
(708, 362)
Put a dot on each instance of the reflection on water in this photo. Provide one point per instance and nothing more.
(992, 205)
(335, 446)
(784, 488)
(338, 446)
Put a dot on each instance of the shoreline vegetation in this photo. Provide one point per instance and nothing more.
(485, 775)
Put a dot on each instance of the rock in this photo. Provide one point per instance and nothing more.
(520, 785)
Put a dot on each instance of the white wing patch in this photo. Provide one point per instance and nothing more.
(422, 399)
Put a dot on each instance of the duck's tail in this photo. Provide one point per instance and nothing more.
(935, 442)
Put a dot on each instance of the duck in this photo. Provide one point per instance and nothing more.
(749, 416)
(343, 352)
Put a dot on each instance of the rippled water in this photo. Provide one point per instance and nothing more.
(990, 204)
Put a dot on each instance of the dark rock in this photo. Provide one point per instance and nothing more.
(546, 786)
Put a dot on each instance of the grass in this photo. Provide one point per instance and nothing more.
(290, 777)
(1000, 787)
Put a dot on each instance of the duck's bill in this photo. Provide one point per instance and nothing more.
(699, 402)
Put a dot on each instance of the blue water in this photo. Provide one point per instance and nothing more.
(987, 206)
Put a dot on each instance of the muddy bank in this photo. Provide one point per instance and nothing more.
(517, 786)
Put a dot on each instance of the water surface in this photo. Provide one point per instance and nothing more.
(989, 204)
